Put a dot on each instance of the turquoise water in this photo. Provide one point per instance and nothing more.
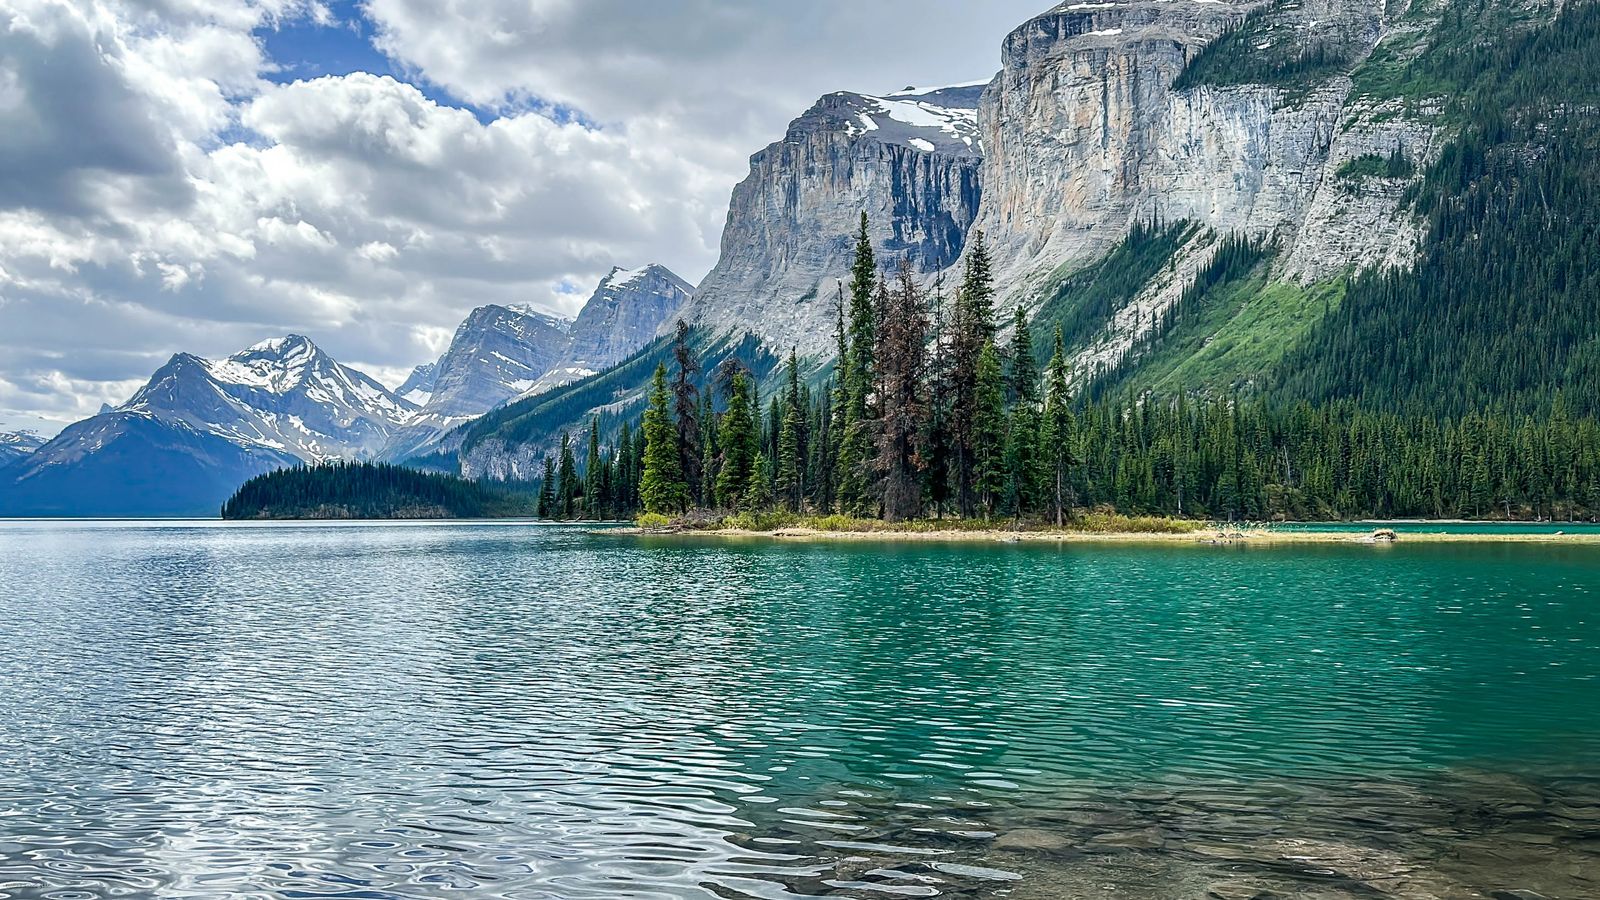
(201, 709)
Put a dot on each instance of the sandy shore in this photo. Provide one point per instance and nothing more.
(1204, 537)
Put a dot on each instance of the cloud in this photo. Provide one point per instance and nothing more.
(73, 131)
(160, 192)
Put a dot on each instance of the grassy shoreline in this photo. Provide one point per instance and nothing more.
(1094, 528)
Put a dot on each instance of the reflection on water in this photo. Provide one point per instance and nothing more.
(394, 711)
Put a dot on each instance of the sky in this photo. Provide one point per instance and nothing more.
(199, 175)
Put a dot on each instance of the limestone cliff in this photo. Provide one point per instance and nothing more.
(910, 160)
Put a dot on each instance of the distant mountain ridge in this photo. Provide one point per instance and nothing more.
(14, 445)
(500, 353)
(199, 427)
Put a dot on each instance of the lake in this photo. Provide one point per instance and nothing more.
(510, 710)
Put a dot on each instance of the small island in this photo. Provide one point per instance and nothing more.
(345, 490)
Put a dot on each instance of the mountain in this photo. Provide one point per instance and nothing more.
(910, 160)
(502, 353)
(418, 386)
(496, 354)
(199, 427)
(15, 445)
(624, 313)
(1192, 192)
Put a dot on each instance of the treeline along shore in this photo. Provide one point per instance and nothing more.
(931, 416)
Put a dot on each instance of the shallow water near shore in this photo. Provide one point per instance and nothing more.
(374, 711)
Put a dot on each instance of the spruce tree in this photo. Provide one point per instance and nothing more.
(569, 490)
(661, 486)
(972, 331)
(547, 490)
(739, 441)
(686, 410)
(1058, 430)
(863, 315)
(757, 494)
(1024, 374)
(902, 421)
(594, 479)
(988, 431)
(938, 450)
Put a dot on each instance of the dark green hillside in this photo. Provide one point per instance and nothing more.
(615, 395)
(1083, 302)
(373, 491)
(1504, 305)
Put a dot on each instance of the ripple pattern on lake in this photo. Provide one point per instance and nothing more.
(419, 711)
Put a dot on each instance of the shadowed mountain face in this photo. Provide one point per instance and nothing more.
(200, 427)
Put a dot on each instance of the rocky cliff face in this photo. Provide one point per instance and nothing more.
(910, 160)
(1086, 132)
(500, 354)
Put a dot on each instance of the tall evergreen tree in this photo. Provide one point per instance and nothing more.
(739, 440)
(972, 331)
(686, 411)
(547, 490)
(1057, 432)
(988, 433)
(661, 486)
(901, 367)
(938, 450)
(569, 490)
(863, 315)
(594, 472)
(1023, 376)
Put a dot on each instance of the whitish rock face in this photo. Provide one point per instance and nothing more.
(1084, 133)
(909, 160)
(624, 314)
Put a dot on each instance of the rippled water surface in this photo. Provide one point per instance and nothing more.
(377, 711)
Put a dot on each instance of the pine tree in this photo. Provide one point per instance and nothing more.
(710, 453)
(938, 451)
(661, 486)
(594, 472)
(988, 431)
(1023, 380)
(547, 490)
(569, 490)
(863, 315)
(901, 366)
(973, 330)
(686, 410)
(757, 494)
(1057, 432)
(739, 441)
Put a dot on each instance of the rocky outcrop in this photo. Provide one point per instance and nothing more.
(910, 160)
